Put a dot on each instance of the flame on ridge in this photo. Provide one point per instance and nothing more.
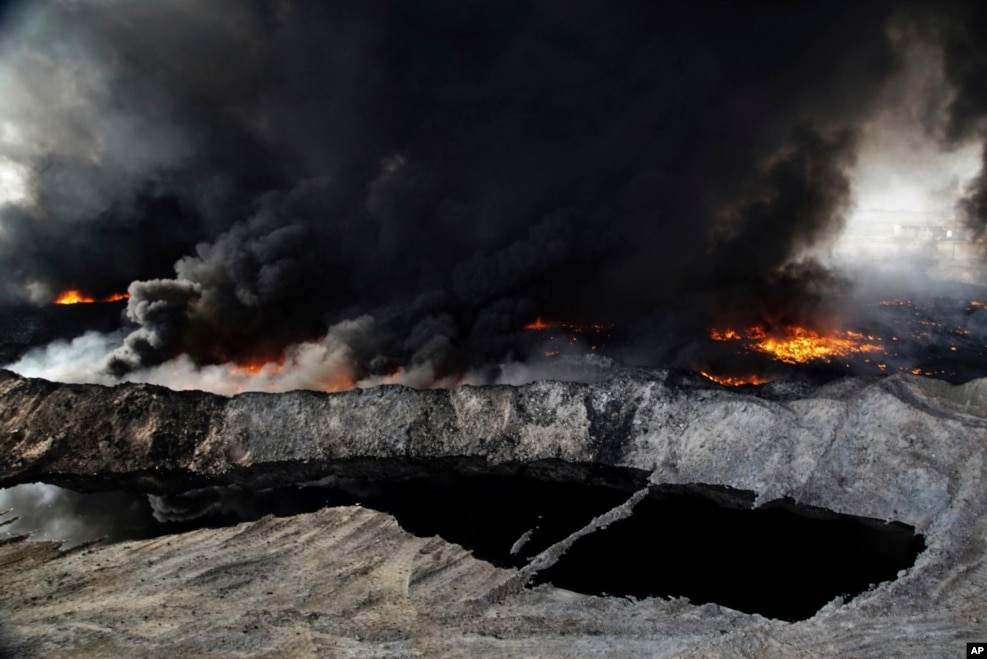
(736, 380)
(539, 324)
(73, 296)
(595, 334)
(283, 374)
(256, 366)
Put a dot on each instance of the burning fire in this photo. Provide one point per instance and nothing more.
(736, 380)
(284, 373)
(792, 345)
(594, 334)
(395, 376)
(256, 366)
(73, 296)
(539, 324)
(800, 345)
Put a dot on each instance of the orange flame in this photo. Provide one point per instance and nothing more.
(723, 335)
(799, 345)
(394, 377)
(337, 382)
(73, 296)
(539, 324)
(272, 369)
(802, 345)
(255, 366)
(736, 380)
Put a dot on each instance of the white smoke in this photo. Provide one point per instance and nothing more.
(909, 179)
(80, 360)
(327, 364)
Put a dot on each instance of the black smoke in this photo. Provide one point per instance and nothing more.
(797, 203)
(448, 170)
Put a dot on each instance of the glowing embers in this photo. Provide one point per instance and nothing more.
(303, 366)
(737, 380)
(257, 366)
(935, 336)
(73, 296)
(800, 345)
(538, 324)
(564, 336)
(938, 336)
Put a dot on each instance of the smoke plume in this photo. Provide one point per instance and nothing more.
(345, 192)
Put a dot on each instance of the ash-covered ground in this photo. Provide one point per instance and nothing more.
(853, 504)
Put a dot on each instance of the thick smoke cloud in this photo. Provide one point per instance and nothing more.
(161, 308)
(762, 253)
(404, 185)
(124, 131)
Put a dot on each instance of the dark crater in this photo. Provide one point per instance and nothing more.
(701, 542)
(781, 560)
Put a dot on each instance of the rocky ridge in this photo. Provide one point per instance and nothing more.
(901, 448)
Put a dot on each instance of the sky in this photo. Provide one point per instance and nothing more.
(359, 189)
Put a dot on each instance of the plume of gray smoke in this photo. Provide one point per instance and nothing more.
(162, 307)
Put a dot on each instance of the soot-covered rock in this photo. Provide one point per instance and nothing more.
(900, 450)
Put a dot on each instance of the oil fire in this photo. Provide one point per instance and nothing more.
(284, 373)
(538, 324)
(791, 345)
(256, 366)
(800, 345)
(736, 380)
(73, 296)
(573, 334)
